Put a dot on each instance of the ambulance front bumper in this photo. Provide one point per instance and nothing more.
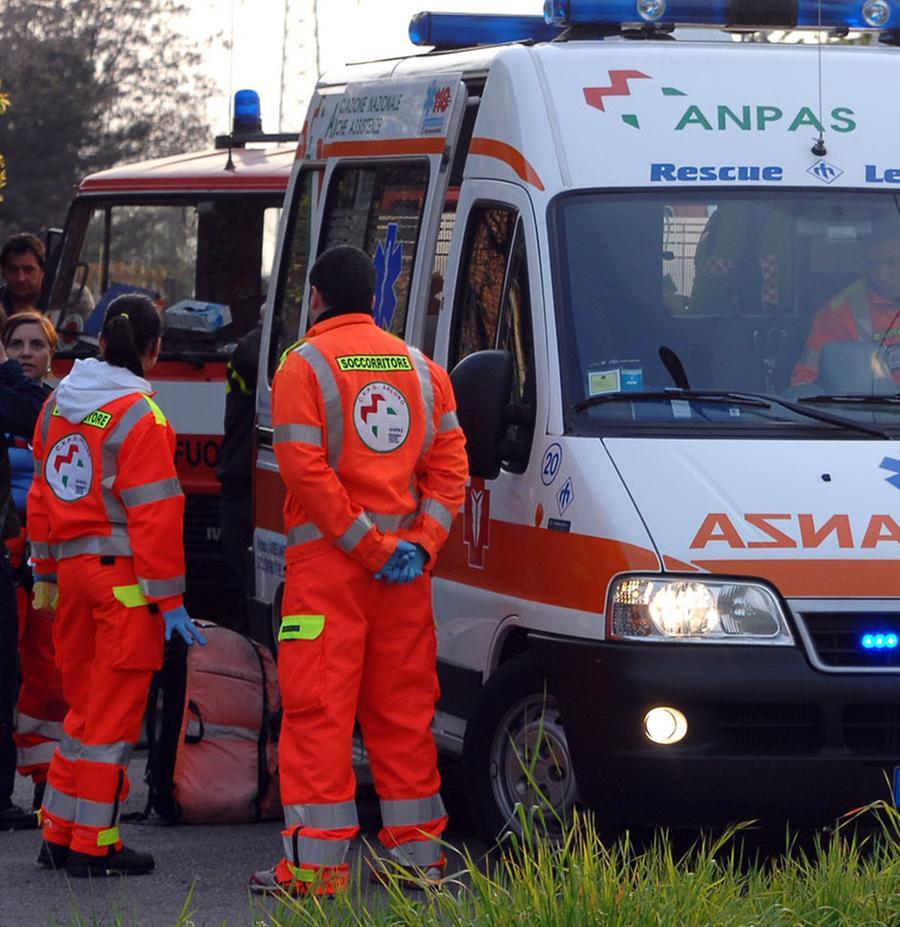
(769, 737)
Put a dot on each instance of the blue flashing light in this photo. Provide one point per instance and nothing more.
(835, 14)
(462, 30)
(247, 112)
(880, 641)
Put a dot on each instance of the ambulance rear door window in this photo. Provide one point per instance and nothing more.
(378, 207)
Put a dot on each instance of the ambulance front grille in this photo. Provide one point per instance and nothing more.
(836, 639)
(872, 729)
(764, 728)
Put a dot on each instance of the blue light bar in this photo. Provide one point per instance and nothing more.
(835, 14)
(247, 112)
(464, 30)
(880, 641)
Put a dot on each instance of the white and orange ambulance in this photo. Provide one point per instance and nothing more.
(665, 273)
(196, 232)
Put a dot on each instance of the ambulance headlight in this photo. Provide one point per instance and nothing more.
(696, 610)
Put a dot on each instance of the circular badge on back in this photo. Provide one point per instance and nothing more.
(68, 468)
(381, 417)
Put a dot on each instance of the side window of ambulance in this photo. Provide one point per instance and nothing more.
(480, 290)
(289, 300)
(493, 310)
(379, 208)
(515, 335)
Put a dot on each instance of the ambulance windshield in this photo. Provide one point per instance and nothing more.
(794, 296)
(205, 262)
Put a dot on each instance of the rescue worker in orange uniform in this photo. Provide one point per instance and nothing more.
(105, 516)
(868, 310)
(374, 462)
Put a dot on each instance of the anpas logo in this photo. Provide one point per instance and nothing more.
(729, 173)
(438, 99)
(381, 417)
(720, 117)
(68, 468)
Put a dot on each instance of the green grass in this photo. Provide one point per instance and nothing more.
(578, 882)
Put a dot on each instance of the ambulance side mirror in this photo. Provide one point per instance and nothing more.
(482, 383)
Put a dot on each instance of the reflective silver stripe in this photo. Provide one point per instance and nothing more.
(114, 545)
(440, 513)
(411, 811)
(40, 550)
(46, 415)
(360, 527)
(53, 730)
(331, 396)
(427, 387)
(116, 754)
(448, 422)
(37, 468)
(299, 434)
(162, 588)
(152, 492)
(330, 816)
(226, 732)
(58, 804)
(95, 813)
(312, 852)
(69, 748)
(111, 447)
(419, 853)
(386, 522)
(303, 534)
(36, 755)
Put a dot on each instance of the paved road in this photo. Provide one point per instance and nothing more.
(217, 861)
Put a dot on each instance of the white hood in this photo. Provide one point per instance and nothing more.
(93, 383)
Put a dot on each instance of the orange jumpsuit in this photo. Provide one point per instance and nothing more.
(371, 452)
(41, 706)
(855, 314)
(105, 513)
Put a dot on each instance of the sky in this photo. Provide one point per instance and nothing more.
(349, 30)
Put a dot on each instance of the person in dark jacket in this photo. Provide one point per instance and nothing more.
(235, 468)
(22, 260)
(21, 399)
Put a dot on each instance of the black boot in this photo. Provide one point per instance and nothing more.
(52, 855)
(16, 818)
(119, 862)
(38, 799)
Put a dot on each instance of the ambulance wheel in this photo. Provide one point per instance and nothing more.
(516, 755)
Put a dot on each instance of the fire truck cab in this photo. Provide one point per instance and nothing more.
(196, 232)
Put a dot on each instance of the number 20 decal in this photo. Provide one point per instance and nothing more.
(551, 464)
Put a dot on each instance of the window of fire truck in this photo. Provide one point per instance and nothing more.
(731, 283)
(215, 250)
(378, 207)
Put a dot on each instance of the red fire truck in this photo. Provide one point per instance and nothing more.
(193, 231)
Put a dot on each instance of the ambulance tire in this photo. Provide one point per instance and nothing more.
(505, 776)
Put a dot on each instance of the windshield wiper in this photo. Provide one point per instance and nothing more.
(757, 400)
(890, 400)
(702, 395)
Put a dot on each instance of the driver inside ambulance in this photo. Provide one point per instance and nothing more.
(867, 311)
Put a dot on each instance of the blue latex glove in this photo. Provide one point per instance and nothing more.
(179, 620)
(414, 566)
(405, 565)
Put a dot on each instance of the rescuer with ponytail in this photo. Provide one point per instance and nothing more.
(105, 514)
